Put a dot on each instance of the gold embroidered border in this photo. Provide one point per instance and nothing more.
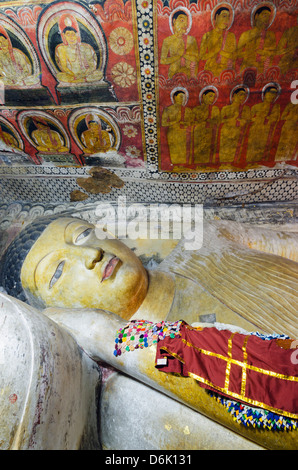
(241, 398)
(242, 364)
(229, 363)
(244, 375)
(163, 348)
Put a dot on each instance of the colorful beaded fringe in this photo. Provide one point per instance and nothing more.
(255, 417)
(139, 334)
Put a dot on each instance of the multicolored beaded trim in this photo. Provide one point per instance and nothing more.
(255, 417)
(139, 334)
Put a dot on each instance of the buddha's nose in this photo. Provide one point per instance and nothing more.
(92, 257)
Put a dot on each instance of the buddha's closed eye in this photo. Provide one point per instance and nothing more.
(57, 274)
(83, 235)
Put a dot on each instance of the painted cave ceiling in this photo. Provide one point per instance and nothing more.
(168, 90)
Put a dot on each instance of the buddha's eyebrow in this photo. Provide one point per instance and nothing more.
(79, 223)
(66, 226)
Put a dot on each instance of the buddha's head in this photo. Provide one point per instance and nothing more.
(208, 97)
(222, 18)
(71, 36)
(180, 22)
(62, 263)
(179, 97)
(95, 126)
(262, 17)
(239, 96)
(270, 94)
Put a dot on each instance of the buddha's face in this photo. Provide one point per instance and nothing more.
(223, 20)
(239, 97)
(262, 19)
(180, 24)
(68, 266)
(71, 37)
(180, 98)
(209, 98)
(270, 96)
(94, 127)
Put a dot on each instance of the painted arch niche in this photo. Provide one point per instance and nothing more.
(11, 144)
(47, 135)
(74, 47)
(97, 134)
(19, 66)
(19, 62)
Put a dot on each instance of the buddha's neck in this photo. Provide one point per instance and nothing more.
(159, 298)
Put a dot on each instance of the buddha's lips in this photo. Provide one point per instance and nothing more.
(109, 268)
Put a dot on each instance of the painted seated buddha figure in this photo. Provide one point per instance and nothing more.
(76, 60)
(46, 139)
(95, 139)
(93, 285)
(8, 138)
(15, 67)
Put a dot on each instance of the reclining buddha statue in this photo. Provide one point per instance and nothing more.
(93, 287)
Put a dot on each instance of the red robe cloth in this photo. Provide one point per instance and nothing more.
(245, 368)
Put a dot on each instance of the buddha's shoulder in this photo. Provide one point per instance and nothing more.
(84, 46)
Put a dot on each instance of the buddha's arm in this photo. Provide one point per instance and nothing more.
(243, 45)
(168, 119)
(204, 54)
(61, 57)
(215, 117)
(24, 64)
(286, 113)
(282, 45)
(90, 57)
(228, 115)
(269, 48)
(209, 49)
(275, 115)
(39, 140)
(95, 332)
(58, 138)
(165, 58)
(229, 51)
(192, 51)
(85, 140)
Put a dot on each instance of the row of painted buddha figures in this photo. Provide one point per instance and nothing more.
(207, 135)
(48, 139)
(77, 61)
(257, 47)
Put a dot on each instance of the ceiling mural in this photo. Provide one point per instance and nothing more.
(71, 83)
(225, 76)
(171, 90)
